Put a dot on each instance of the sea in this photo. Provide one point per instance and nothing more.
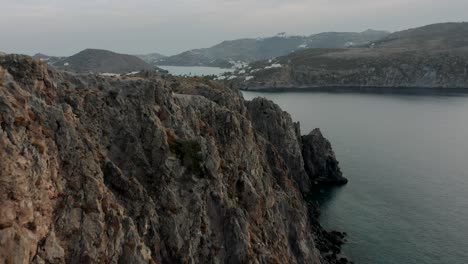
(406, 158)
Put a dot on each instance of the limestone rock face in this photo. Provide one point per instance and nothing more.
(320, 160)
(146, 170)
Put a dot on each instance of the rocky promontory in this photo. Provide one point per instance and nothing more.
(357, 69)
(151, 168)
(433, 57)
(319, 159)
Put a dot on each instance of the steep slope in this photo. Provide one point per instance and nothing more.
(149, 169)
(227, 53)
(102, 61)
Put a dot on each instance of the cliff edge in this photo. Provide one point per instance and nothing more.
(148, 169)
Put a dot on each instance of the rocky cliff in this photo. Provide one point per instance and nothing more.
(319, 159)
(357, 68)
(149, 169)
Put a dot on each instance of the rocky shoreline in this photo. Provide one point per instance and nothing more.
(152, 168)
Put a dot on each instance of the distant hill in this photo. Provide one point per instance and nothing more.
(436, 36)
(230, 53)
(41, 56)
(151, 58)
(49, 59)
(101, 61)
(434, 56)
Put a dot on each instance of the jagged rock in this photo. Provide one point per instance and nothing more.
(145, 170)
(278, 128)
(52, 252)
(319, 159)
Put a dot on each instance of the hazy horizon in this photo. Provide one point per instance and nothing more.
(63, 28)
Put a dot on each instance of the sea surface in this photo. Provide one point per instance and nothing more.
(194, 70)
(406, 157)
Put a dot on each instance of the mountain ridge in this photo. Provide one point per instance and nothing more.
(429, 57)
(231, 52)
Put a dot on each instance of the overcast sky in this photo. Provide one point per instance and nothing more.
(64, 27)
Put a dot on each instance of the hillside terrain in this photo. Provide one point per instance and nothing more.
(152, 168)
(232, 53)
(97, 61)
(443, 36)
(434, 56)
(102, 61)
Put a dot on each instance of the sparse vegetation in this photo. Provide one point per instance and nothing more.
(189, 152)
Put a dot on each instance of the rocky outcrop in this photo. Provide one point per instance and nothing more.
(147, 169)
(277, 127)
(320, 160)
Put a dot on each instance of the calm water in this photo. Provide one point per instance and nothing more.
(194, 71)
(407, 160)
